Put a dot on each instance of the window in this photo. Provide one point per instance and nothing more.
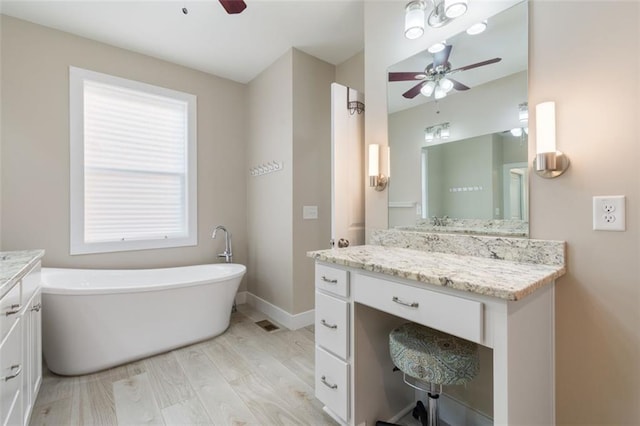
(133, 165)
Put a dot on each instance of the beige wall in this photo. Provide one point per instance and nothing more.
(597, 315)
(270, 196)
(35, 146)
(312, 80)
(350, 73)
(289, 120)
(598, 301)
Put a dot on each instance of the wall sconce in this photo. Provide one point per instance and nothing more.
(377, 179)
(439, 131)
(548, 163)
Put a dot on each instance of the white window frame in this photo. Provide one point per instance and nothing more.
(77, 77)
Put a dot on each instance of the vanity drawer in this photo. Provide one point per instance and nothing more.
(332, 280)
(11, 375)
(332, 383)
(9, 309)
(450, 314)
(332, 324)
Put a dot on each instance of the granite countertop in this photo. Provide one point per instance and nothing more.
(502, 279)
(14, 265)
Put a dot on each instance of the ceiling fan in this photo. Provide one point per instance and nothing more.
(435, 77)
(233, 6)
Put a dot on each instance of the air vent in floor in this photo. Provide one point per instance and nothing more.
(267, 325)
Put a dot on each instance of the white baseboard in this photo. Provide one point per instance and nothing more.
(241, 297)
(291, 321)
(454, 412)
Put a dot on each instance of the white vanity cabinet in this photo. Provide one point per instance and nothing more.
(332, 307)
(20, 347)
(356, 309)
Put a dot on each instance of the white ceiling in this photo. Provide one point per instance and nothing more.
(237, 47)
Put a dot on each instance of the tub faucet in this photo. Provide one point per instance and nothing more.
(227, 254)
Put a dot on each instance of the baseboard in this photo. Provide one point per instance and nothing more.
(454, 412)
(282, 317)
(241, 297)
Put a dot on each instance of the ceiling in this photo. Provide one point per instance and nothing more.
(237, 47)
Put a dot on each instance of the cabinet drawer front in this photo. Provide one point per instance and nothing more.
(10, 306)
(332, 280)
(332, 383)
(11, 374)
(332, 324)
(454, 315)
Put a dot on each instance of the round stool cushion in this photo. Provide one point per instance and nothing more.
(432, 356)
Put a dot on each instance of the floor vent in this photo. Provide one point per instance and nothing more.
(267, 325)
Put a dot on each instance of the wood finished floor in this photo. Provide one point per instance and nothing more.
(246, 376)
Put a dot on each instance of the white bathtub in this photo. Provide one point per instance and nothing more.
(96, 319)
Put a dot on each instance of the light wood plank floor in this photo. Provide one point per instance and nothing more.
(246, 376)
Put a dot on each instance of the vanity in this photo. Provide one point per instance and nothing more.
(20, 334)
(497, 292)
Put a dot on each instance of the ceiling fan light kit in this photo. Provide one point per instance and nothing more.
(437, 47)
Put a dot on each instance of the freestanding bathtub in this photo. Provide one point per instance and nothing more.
(96, 319)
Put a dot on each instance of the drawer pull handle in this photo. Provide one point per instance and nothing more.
(323, 379)
(326, 324)
(18, 369)
(329, 280)
(36, 307)
(13, 309)
(402, 302)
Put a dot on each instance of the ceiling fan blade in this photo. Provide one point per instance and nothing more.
(442, 57)
(413, 92)
(457, 85)
(233, 6)
(479, 64)
(406, 76)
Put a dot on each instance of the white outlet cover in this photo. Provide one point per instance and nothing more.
(309, 212)
(609, 213)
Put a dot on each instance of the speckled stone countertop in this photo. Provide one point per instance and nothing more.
(14, 265)
(480, 274)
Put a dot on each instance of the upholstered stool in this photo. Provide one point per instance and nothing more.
(432, 358)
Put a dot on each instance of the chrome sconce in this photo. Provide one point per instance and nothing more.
(549, 163)
(439, 131)
(442, 12)
(377, 179)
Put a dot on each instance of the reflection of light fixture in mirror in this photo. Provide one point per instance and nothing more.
(548, 163)
(439, 92)
(414, 19)
(477, 28)
(377, 179)
(455, 8)
(427, 89)
(446, 84)
(437, 47)
(439, 131)
(523, 112)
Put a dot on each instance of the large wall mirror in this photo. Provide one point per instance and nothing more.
(458, 130)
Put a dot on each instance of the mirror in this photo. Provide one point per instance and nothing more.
(459, 163)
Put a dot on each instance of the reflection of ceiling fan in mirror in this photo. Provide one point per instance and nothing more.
(233, 6)
(435, 78)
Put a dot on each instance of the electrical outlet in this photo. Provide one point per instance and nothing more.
(609, 213)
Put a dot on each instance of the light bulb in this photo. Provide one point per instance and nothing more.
(427, 89)
(437, 47)
(439, 93)
(428, 134)
(446, 85)
(444, 132)
(414, 20)
(516, 131)
(477, 28)
(455, 8)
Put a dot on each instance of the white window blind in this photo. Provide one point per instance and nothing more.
(138, 174)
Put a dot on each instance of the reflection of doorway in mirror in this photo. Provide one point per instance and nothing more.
(515, 177)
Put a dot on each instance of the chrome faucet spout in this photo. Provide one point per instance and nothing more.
(227, 254)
